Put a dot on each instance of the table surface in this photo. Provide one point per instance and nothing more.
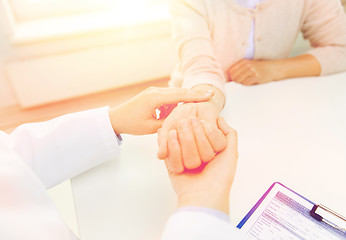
(291, 131)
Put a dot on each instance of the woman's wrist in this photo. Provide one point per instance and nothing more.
(279, 69)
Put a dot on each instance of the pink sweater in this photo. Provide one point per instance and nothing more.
(211, 35)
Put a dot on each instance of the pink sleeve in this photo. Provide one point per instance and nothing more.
(197, 60)
(325, 26)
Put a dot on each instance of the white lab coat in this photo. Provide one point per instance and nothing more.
(191, 225)
(38, 156)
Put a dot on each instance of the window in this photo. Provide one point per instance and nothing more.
(35, 20)
(95, 44)
(27, 10)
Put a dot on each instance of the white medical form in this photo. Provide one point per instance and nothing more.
(285, 215)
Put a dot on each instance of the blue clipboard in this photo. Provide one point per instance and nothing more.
(253, 209)
(309, 212)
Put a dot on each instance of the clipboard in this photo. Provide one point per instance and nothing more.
(281, 213)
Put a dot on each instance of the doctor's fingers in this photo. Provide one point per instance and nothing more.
(165, 96)
(216, 138)
(206, 151)
(189, 150)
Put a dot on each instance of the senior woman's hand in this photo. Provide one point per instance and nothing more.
(209, 185)
(251, 72)
(195, 127)
(199, 140)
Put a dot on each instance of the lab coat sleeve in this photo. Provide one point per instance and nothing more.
(199, 225)
(66, 146)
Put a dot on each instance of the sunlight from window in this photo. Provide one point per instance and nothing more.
(137, 11)
(48, 19)
(28, 10)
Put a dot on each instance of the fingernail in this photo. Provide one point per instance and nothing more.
(209, 92)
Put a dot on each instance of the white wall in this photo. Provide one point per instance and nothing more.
(7, 97)
(28, 70)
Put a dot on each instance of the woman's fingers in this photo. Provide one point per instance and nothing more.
(243, 72)
(205, 150)
(195, 141)
(174, 160)
(239, 65)
(235, 71)
(216, 138)
(242, 75)
(249, 81)
(191, 158)
(223, 126)
(227, 130)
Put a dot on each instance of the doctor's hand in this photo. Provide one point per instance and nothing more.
(138, 115)
(199, 141)
(209, 185)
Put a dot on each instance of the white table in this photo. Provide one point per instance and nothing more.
(291, 131)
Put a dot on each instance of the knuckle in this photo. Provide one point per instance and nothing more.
(208, 128)
(151, 90)
(257, 75)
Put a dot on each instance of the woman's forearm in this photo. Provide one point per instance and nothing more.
(301, 66)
